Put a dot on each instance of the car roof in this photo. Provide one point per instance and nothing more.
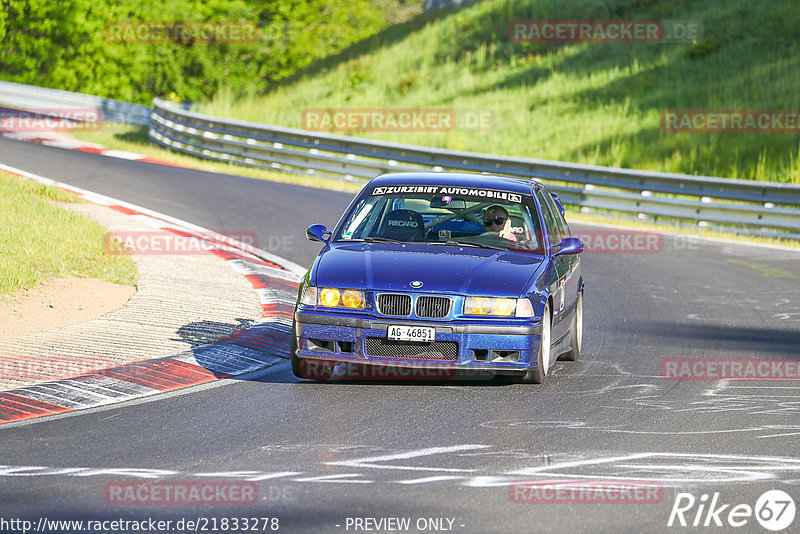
(464, 179)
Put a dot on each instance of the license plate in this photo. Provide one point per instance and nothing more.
(410, 333)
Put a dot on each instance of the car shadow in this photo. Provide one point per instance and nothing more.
(199, 333)
(754, 340)
(492, 381)
(259, 352)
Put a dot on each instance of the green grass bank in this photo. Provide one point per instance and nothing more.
(40, 240)
(597, 103)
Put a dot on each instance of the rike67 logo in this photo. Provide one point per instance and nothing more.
(774, 510)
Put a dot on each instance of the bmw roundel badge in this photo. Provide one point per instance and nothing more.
(415, 284)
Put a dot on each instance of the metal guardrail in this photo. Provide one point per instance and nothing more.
(17, 95)
(766, 208)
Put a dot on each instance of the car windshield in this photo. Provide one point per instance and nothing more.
(449, 216)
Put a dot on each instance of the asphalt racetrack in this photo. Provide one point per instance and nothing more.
(344, 456)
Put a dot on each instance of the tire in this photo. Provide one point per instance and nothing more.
(535, 375)
(308, 370)
(577, 333)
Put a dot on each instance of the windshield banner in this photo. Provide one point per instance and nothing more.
(479, 193)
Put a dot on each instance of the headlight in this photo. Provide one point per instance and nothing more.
(329, 297)
(498, 307)
(353, 298)
(332, 297)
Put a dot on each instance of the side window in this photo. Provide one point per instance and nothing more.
(551, 219)
(565, 232)
(560, 222)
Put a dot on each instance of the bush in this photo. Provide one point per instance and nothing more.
(63, 44)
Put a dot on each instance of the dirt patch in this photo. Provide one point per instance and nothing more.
(60, 302)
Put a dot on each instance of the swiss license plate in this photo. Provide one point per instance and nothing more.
(410, 333)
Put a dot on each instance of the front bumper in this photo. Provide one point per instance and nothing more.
(483, 345)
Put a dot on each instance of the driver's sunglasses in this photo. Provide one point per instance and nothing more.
(496, 221)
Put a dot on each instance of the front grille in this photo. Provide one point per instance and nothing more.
(388, 348)
(433, 307)
(398, 304)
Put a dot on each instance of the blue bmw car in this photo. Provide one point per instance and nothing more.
(442, 272)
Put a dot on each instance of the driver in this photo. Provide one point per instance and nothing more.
(496, 219)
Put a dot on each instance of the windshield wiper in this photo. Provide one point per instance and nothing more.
(453, 242)
(450, 242)
(381, 240)
(370, 240)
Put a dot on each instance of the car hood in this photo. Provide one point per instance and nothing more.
(440, 268)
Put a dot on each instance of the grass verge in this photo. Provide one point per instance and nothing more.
(41, 240)
(596, 103)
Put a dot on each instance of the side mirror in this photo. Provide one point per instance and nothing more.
(569, 245)
(318, 232)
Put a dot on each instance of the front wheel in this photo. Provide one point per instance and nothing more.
(577, 333)
(307, 369)
(535, 375)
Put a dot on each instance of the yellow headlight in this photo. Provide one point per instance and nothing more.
(477, 306)
(503, 307)
(329, 297)
(353, 299)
